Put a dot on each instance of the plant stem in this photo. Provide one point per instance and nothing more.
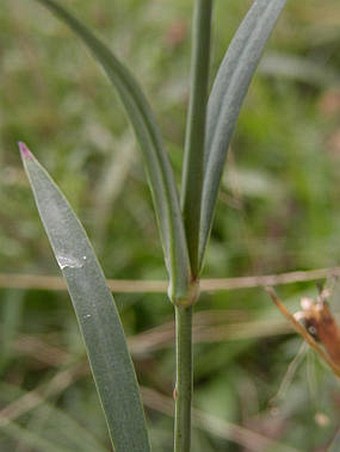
(192, 181)
(184, 378)
(192, 177)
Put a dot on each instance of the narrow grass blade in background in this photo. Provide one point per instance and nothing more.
(160, 175)
(226, 98)
(66, 434)
(97, 314)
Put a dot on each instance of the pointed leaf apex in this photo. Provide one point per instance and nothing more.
(24, 151)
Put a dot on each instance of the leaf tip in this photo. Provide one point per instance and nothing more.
(24, 151)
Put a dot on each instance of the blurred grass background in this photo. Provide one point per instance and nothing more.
(279, 211)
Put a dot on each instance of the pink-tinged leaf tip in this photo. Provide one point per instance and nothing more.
(24, 151)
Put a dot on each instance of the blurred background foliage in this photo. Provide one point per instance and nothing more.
(278, 211)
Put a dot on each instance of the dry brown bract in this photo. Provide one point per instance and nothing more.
(315, 322)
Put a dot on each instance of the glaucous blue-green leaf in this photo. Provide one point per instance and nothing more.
(159, 172)
(226, 98)
(95, 309)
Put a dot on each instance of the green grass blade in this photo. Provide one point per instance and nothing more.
(49, 424)
(96, 312)
(226, 98)
(30, 439)
(160, 175)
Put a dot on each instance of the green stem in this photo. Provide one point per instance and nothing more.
(192, 177)
(192, 181)
(184, 378)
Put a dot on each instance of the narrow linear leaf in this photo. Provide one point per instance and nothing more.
(96, 311)
(159, 172)
(226, 98)
(192, 176)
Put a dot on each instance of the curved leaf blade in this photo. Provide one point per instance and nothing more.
(159, 172)
(226, 98)
(95, 309)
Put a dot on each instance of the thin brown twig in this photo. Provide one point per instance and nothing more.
(55, 283)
